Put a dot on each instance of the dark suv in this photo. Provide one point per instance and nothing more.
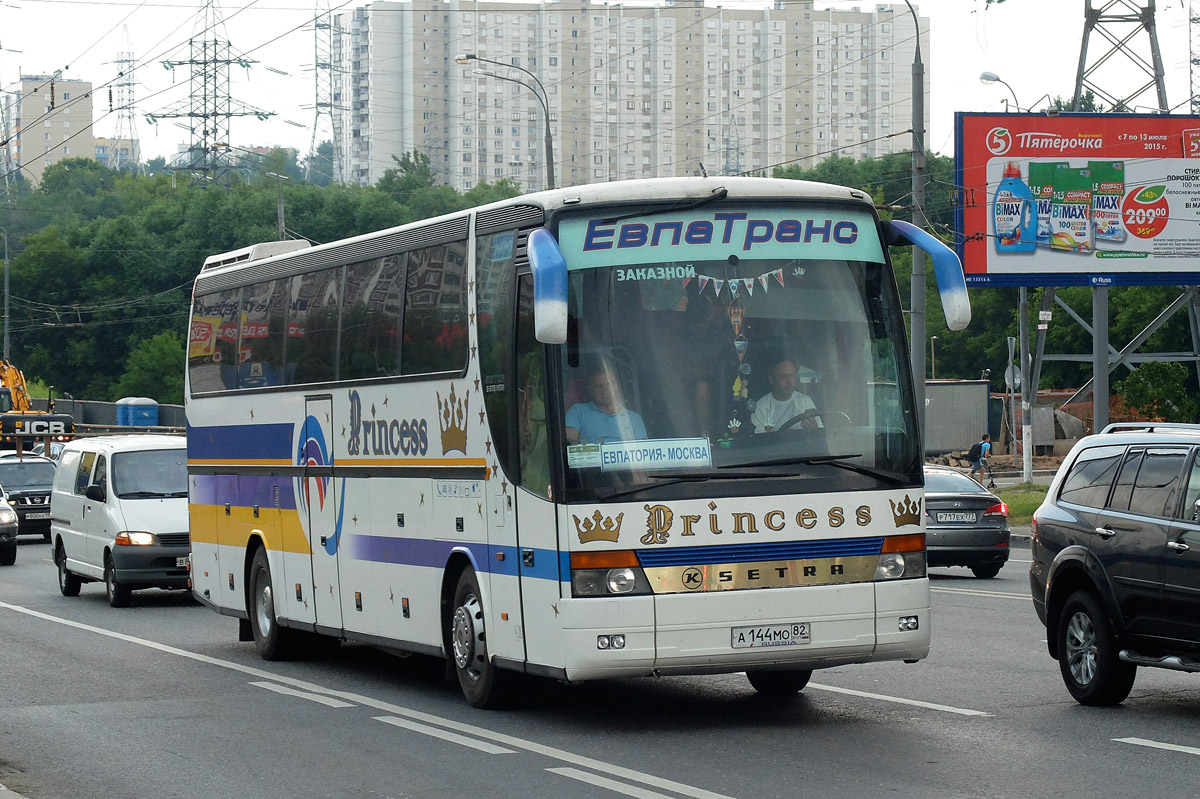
(27, 480)
(1116, 558)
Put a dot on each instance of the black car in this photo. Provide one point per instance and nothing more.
(27, 481)
(965, 524)
(8, 532)
(1116, 554)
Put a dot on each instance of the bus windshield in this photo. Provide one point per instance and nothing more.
(719, 342)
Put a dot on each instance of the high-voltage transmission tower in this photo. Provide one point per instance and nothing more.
(324, 30)
(125, 148)
(209, 108)
(1194, 52)
(1120, 23)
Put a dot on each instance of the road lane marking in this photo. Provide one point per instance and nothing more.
(470, 729)
(283, 689)
(604, 782)
(900, 700)
(1187, 750)
(445, 735)
(981, 592)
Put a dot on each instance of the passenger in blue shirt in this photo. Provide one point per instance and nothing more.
(604, 418)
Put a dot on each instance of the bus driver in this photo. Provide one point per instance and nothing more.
(784, 402)
(605, 418)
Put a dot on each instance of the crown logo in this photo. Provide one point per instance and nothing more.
(598, 527)
(452, 420)
(907, 512)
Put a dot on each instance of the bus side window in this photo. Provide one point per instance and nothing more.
(531, 394)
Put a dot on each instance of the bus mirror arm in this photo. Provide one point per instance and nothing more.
(549, 287)
(952, 285)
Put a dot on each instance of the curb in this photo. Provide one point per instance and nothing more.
(7, 793)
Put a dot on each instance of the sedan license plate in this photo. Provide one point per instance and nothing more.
(182, 562)
(956, 516)
(771, 635)
(44, 515)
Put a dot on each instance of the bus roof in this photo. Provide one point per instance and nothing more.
(621, 191)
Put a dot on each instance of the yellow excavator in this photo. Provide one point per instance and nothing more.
(20, 424)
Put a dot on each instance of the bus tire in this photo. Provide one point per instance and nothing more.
(483, 685)
(272, 641)
(68, 582)
(779, 684)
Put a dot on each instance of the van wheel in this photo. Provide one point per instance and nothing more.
(1087, 654)
(779, 684)
(482, 683)
(68, 583)
(272, 641)
(118, 595)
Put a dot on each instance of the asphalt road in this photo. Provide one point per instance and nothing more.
(161, 700)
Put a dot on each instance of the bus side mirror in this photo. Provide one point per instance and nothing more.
(549, 287)
(946, 266)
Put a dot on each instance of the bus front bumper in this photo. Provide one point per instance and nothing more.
(695, 633)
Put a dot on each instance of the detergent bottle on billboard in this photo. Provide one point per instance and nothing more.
(1014, 214)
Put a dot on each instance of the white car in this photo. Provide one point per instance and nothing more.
(121, 514)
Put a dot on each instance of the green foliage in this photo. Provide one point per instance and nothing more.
(1161, 391)
(155, 369)
(1022, 501)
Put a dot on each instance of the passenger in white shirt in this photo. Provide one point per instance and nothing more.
(783, 403)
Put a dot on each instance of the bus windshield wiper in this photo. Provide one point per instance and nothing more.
(666, 477)
(840, 462)
(719, 193)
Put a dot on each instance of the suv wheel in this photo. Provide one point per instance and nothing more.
(1087, 653)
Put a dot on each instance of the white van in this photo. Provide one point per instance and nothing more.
(120, 514)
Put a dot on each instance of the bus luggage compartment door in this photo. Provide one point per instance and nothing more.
(322, 499)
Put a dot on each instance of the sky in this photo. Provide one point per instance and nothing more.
(1032, 44)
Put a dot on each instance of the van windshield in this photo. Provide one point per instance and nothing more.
(150, 473)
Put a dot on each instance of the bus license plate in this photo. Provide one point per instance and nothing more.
(956, 516)
(771, 635)
(31, 516)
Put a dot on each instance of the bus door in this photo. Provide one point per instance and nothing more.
(536, 518)
(322, 499)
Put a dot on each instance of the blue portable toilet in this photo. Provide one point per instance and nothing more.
(123, 411)
(143, 412)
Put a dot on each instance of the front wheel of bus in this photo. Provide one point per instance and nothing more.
(272, 641)
(779, 684)
(482, 683)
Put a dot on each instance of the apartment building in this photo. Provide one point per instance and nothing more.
(631, 90)
(46, 118)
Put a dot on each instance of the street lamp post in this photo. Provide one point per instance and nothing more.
(539, 93)
(992, 77)
(917, 284)
(5, 232)
(932, 358)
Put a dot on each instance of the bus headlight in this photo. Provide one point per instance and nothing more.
(903, 557)
(607, 574)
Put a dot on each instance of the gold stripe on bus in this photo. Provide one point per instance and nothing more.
(279, 528)
(763, 574)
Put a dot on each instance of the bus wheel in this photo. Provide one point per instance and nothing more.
(779, 684)
(482, 683)
(272, 641)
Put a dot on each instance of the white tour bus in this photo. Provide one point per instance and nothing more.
(633, 428)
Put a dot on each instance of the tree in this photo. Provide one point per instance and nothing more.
(410, 175)
(155, 369)
(1159, 390)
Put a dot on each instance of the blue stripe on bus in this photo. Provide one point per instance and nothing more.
(243, 491)
(434, 554)
(241, 441)
(745, 553)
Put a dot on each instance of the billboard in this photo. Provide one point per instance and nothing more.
(1078, 199)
